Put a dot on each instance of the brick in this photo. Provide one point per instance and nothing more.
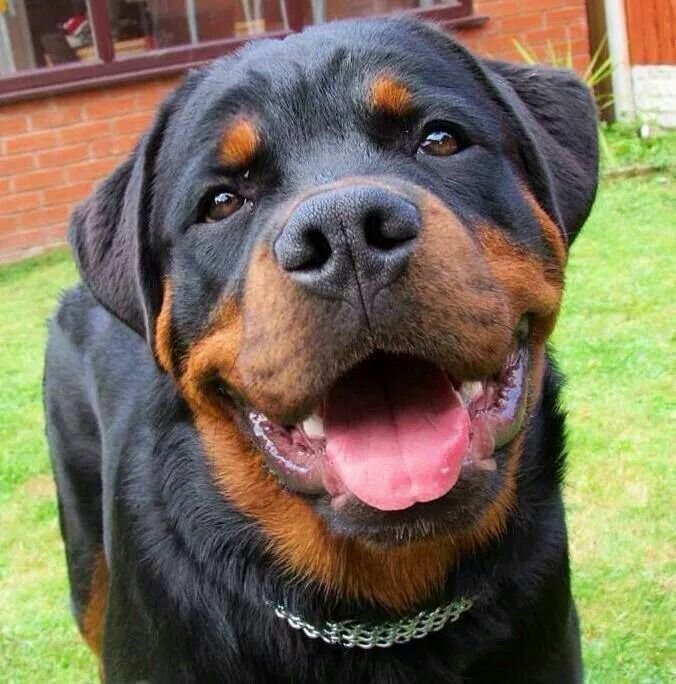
(70, 193)
(31, 141)
(19, 202)
(541, 36)
(13, 124)
(578, 32)
(57, 233)
(126, 89)
(538, 5)
(580, 63)
(579, 46)
(495, 44)
(502, 8)
(77, 99)
(149, 99)
(485, 6)
(9, 223)
(45, 216)
(91, 170)
(62, 156)
(107, 108)
(134, 123)
(84, 132)
(24, 107)
(55, 118)
(151, 95)
(34, 180)
(566, 16)
(10, 166)
(114, 146)
(513, 26)
(21, 240)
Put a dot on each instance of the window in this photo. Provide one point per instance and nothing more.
(37, 34)
(58, 45)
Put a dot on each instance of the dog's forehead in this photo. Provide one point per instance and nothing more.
(330, 70)
(345, 47)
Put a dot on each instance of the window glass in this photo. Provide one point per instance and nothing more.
(149, 24)
(42, 33)
(327, 10)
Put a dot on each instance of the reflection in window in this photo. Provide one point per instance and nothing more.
(328, 10)
(39, 33)
(178, 22)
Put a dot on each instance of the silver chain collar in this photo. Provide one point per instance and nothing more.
(351, 634)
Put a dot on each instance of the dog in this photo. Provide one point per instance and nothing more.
(302, 417)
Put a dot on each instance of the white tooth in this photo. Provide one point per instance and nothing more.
(471, 390)
(313, 426)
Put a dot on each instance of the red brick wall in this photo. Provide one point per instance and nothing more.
(534, 23)
(53, 150)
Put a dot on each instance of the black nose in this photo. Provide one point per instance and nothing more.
(349, 242)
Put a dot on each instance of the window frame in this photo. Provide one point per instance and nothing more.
(109, 69)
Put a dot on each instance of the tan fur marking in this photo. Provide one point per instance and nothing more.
(163, 331)
(389, 96)
(214, 354)
(92, 619)
(534, 286)
(239, 143)
(549, 229)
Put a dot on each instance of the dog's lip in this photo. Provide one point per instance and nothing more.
(296, 454)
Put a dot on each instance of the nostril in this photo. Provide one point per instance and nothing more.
(385, 232)
(374, 231)
(317, 250)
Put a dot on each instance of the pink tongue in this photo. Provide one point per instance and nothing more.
(396, 433)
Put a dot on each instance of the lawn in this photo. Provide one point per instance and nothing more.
(615, 343)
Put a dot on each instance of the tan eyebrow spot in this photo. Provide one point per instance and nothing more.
(390, 96)
(239, 142)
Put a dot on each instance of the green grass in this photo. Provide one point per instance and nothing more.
(27, 294)
(615, 343)
(625, 148)
(38, 642)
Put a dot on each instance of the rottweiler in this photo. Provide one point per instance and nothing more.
(302, 416)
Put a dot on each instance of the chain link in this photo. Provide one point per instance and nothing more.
(351, 634)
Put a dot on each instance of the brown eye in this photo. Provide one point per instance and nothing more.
(439, 142)
(221, 205)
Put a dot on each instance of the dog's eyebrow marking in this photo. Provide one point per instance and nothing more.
(239, 142)
(389, 95)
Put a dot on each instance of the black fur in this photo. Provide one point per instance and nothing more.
(189, 573)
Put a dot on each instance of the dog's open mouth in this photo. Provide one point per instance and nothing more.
(396, 431)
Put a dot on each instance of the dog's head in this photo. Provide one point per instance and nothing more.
(348, 250)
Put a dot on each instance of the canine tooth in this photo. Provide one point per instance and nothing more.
(471, 390)
(313, 426)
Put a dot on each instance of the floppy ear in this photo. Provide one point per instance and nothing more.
(555, 119)
(552, 114)
(110, 235)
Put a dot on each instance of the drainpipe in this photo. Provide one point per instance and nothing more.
(191, 17)
(618, 46)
